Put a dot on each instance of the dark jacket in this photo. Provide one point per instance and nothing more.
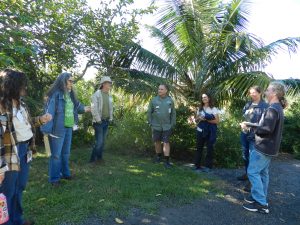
(254, 115)
(269, 133)
(209, 130)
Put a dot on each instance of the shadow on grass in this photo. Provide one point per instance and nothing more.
(118, 185)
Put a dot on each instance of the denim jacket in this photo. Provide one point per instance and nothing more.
(56, 107)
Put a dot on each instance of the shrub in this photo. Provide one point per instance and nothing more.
(290, 141)
(228, 148)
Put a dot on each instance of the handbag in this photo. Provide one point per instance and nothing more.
(3, 209)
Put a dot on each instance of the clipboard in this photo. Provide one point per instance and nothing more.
(249, 124)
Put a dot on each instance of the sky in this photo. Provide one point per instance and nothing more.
(270, 20)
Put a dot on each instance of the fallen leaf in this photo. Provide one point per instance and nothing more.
(158, 195)
(118, 220)
(110, 173)
(101, 200)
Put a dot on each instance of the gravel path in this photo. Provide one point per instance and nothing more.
(284, 201)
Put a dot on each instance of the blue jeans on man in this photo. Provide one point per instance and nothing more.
(60, 154)
(13, 186)
(246, 143)
(258, 174)
(100, 135)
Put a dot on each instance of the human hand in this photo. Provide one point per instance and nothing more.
(45, 118)
(244, 126)
(1, 178)
(87, 108)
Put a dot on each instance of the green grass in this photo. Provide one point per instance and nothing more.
(123, 183)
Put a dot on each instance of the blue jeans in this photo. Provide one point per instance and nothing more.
(100, 135)
(60, 154)
(13, 186)
(258, 174)
(246, 148)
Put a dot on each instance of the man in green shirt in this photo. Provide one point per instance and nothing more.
(102, 112)
(162, 118)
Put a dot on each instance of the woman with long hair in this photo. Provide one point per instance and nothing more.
(252, 112)
(64, 107)
(207, 117)
(268, 135)
(17, 141)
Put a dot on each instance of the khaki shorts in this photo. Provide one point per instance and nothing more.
(163, 136)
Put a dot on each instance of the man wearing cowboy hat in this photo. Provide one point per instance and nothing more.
(102, 112)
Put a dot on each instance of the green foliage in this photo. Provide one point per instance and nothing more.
(291, 129)
(206, 47)
(228, 152)
(183, 139)
(123, 183)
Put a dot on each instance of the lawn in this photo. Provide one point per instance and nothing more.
(122, 183)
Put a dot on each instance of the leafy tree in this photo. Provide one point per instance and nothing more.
(206, 47)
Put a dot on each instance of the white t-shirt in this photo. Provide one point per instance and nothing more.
(215, 111)
(21, 124)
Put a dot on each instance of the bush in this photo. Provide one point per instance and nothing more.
(130, 134)
(290, 141)
(228, 148)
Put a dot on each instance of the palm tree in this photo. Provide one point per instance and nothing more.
(205, 47)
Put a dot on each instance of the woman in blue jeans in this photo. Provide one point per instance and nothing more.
(64, 107)
(268, 135)
(17, 130)
(252, 112)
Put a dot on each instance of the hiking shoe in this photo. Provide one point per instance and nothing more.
(197, 169)
(249, 199)
(157, 159)
(206, 169)
(168, 165)
(256, 207)
(244, 177)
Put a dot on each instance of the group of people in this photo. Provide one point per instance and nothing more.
(17, 132)
(260, 136)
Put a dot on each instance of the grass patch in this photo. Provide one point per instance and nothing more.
(123, 183)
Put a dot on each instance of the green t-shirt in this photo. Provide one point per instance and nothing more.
(105, 109)
(69, 111)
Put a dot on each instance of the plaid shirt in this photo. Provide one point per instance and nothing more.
(8, 142)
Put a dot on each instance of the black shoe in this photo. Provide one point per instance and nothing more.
(244, 177)
(157, 159)
(249, 199)
(168, 165)
(206, 169)
(55, 184)
(68, 178)
(256, 207)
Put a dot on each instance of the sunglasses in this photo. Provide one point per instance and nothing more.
(71, 81)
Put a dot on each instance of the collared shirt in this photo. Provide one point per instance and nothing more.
(161, 113)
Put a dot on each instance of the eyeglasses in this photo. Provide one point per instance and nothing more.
(71, 81)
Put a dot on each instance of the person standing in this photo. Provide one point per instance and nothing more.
(17, 142)
(162, 119)
(252, 112)
(207, 117)
(64, 107)
(268, 135)
(102, 112)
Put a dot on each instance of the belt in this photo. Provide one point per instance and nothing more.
(25, 142)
